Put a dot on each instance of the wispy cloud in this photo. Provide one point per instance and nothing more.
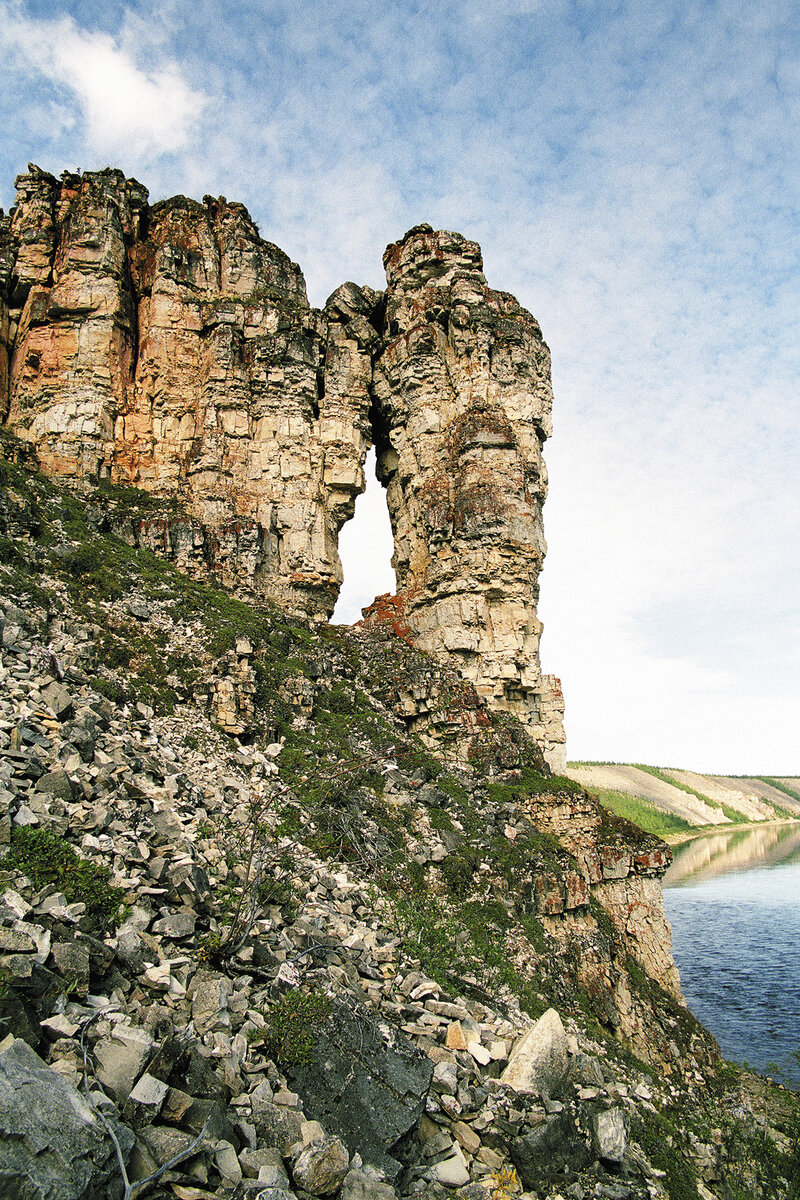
(121, 106)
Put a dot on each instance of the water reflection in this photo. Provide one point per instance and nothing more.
(734, 849)
(733, 901)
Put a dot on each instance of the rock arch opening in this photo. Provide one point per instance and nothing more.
(207, 379)
(365, 547)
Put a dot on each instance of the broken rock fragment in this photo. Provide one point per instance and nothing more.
(540, 1059)
(53, 1144)
(322, 1166)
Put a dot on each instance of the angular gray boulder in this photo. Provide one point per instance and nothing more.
(366, 1083)
(610, 1135)
(54, 1147)
(540, 1059)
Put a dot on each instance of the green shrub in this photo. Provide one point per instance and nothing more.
(112, 690)
(47, 859)
(87, 564)
(661, 1139)
(529, 782)
(782, 786)
(292, 1027)
(458, 870)
(8, 550)
(647, 816)
(413, 757)
(733, 814)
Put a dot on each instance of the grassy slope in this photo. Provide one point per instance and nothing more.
(644, 807)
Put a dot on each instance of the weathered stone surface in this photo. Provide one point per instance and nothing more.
(210, 1002)
(543, 1152)
(636, 906)
(372, 1107)
(121, 1058)
(58, 699)
(177, 925)
(276, 1125)
(452, 1171)
(610, 1135)
(464, 397)
(265, 1164)
(149, 1092)
(56, 783)
(321, 1166)
(172, 348)
(540, 1059)
(54, 1147)
(363, 1185)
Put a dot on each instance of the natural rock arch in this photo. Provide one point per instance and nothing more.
(172, 348)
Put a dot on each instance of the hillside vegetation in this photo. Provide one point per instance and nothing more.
(270, 938)
(668, 801)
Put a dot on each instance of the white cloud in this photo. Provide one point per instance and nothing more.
(127, 110)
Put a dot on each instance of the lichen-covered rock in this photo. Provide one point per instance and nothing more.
(321, 1166)
(54, 1147)
(366, 1083)
(365, 1185)
(610, 1135)
(548, 1151)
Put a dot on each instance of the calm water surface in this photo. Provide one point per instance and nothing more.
(733, 900)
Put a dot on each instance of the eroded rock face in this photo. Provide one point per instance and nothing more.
(464, 402)
(171, 348)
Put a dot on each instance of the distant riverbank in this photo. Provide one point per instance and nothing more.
(676, 804)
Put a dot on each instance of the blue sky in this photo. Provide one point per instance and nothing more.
(631, 172)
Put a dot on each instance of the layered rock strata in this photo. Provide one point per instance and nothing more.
(171, 348)
(463, 397)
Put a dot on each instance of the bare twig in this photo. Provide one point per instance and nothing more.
(131, 1189)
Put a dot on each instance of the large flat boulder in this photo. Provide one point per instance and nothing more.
(54, 1146)
(365, 1082)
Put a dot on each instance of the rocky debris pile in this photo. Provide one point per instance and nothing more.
(308, 958)
(316, 1057)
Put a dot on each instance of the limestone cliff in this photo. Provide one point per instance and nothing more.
(171, 348)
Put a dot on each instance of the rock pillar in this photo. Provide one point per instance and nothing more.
(463, 406)
(73, 312)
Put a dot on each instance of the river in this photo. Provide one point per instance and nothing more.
(733, 900)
